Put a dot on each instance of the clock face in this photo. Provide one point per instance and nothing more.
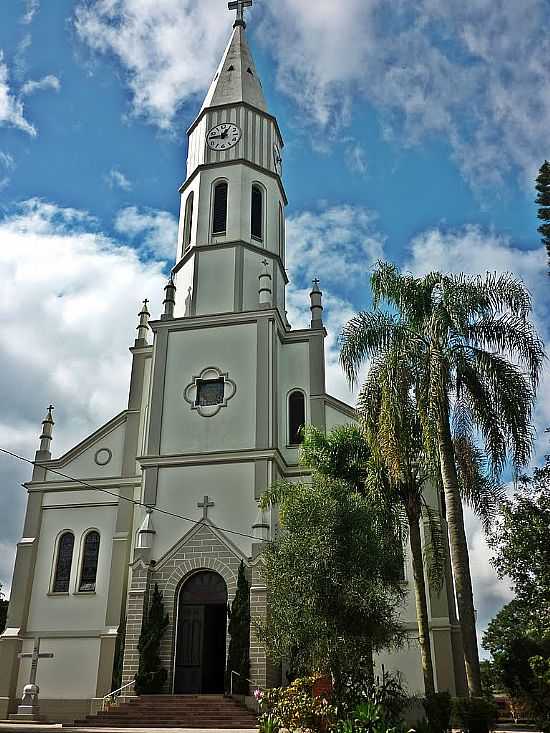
(277, 160)
(224, 136)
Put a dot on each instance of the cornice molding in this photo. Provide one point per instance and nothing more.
(237, 161)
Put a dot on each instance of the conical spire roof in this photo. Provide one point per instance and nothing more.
(236, 79)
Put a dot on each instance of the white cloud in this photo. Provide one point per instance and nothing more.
(476, 73)
(169, 48)
(7, 161)
(32, 8)
(48, 82)
(117, 179)
(157, 230)
(11, 108)
(356, 158)
(338, 243)
(69, 304)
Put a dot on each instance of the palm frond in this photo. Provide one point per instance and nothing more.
(511, 335)
(479, 489)
(367, 335)
(434, 547)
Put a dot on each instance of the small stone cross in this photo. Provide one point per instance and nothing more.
(35, 655)
(239, 6)
(205, 506)
(316, 281)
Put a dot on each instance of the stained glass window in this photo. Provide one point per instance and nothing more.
(64, 563)
(296, 417)
(210, 392)
(89, 563)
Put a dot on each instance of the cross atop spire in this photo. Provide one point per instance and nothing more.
(239, 6)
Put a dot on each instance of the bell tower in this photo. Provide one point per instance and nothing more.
(232, 204)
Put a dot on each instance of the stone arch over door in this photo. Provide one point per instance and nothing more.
(202, 550)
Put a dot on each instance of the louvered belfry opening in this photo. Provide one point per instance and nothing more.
(257, 213)
(219, 223)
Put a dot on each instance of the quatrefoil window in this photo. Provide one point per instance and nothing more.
(210, 391)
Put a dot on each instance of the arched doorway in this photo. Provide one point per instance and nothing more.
(201, 632)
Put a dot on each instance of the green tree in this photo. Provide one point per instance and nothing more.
(521, 544)
(238, 658)
(369, 464)
(342, 453)
(151, 676)
(333, 578)
(477, 362)
(521, 658)
(543, 200)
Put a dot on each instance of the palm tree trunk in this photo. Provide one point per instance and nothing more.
(421, 603)
(459, 554)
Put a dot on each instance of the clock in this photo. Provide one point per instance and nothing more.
(223, 136)
(277, 160)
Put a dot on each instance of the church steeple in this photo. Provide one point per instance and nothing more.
(236, 79)
(233, 201)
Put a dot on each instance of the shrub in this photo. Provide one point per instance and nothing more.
(474, 714)
(294, 707)
(437, 707)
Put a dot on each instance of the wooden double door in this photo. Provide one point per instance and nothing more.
(201, 635)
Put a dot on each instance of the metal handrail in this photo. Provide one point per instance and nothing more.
(244, 678)
(115, 693)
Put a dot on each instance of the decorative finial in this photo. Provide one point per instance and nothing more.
(143, 326)
(265, 294)
(169, 300)
(189, 301)
(260, 528)
(146, 533)
(239, 6)
(47, 432)
(316, 297)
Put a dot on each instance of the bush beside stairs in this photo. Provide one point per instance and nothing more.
(174, 711)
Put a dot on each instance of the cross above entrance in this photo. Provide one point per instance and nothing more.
(35, 655)
(205, 506)
(239, 6)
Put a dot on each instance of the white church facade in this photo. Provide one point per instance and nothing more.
(167, 492)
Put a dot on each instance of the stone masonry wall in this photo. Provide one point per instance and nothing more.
(201, 550)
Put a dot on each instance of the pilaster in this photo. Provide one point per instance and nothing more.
(135, 611)
(263, 671)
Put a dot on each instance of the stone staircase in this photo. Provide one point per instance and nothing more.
(174, 711)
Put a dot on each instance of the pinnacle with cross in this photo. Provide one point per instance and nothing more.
(205, 506)
(239, 6)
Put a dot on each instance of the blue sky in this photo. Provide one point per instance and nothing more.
(413, 132)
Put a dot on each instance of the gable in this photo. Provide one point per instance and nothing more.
(100, 455)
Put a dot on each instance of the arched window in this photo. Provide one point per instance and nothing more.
(257, 213)
(219, 219)
(281, 231)
(188, 221)
(90, 557)
(63, 563)
(296, 417)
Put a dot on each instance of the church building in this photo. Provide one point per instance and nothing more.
(166, 493)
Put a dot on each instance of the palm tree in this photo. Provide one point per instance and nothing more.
(476, 360)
